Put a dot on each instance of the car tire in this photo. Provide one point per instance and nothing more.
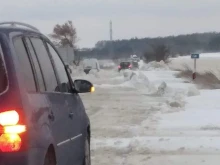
(87, 158)
(49, 159)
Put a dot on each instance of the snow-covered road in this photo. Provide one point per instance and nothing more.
(152, 119)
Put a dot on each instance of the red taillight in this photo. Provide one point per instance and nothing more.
(119, 67)
(9, 118)
(10, 141)
(130, 66)
(14, 129)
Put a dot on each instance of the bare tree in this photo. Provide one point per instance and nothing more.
(65, 34)
(157, 53)
(161, 52)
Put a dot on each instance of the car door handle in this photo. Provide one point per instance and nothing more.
(71, 115)
(51, 116)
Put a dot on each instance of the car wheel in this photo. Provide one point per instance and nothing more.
(87, 158)
(49, 159)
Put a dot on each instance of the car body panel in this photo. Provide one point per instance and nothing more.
(36, 107)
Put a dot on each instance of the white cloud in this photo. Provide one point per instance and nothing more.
(141, 18)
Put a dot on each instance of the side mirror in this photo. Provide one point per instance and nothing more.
(83, 86)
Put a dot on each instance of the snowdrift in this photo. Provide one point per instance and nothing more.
(153, 66)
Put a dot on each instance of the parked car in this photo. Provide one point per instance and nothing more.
(87, 69)
(89, 64)
(42, 117)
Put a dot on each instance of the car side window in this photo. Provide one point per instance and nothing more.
(3, 73)
(37, 68)
(60, 68)
(45, 64)
(25, 64)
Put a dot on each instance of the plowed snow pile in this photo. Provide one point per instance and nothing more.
(153, 66)
(138, 80)
(151, 117)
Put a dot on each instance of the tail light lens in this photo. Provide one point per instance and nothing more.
(10, 140)
(9, 118)
(14, 129)
(130, 66)
(119, 67)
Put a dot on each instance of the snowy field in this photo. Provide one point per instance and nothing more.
(207, 61)
(154, 118)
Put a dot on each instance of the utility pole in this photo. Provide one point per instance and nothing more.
(111, 32)
(111, 40)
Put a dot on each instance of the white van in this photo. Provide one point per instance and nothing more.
(90, 64)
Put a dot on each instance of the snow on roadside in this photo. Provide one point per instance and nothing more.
(153, 66)
(206, 62)
(173, 124)
(201, 112)
(156, 144)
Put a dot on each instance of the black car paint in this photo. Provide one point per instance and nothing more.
(128, 65)
(69, 119)
(124, 65)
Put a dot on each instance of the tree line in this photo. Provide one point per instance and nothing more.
(158, 48)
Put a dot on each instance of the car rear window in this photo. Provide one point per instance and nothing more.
(125, 64)
(3, 75)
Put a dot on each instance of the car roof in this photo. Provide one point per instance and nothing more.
(9, 29)
(125, 61)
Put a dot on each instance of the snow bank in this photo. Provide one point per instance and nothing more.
(94, 72)
(127, 74)
(193, 91)
(169, 144)
(177, 101)
(130, 79)
(154, 66)
(162, 89)
(107, 64)
(206, 62)
(171, 89)
(138, 80)
(201, 112)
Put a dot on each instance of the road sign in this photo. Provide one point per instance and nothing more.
(194, 56)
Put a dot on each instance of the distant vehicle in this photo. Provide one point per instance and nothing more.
(89, 64)
(87, 69)
(124, 65)
(134, 58)
(128, 65)
(134, 65)
(42, 118)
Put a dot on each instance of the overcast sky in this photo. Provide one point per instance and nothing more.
(131, 18)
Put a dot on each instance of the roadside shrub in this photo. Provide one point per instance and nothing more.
(206, 80)
(158, 53)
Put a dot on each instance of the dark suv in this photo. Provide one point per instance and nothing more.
(128, 65)
(42, 118)
(124, 65)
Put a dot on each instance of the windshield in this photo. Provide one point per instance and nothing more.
(155, 66)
